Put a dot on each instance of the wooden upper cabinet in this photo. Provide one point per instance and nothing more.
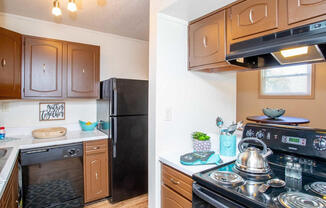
(43, 68)
(10, 64)
(207, 40)
(253, 16)
(83, 71)
(300, 10)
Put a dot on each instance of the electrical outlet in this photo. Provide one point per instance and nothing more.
(5, 107)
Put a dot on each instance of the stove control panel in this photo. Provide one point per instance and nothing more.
(260, 134)
(300, 140)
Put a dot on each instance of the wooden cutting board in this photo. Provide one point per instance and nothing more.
(47, 133)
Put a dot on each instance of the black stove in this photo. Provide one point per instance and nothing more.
(223, 186)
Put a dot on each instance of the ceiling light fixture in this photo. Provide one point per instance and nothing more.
(72, 5)
(56, 11)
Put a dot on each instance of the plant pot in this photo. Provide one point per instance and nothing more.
(201, 146)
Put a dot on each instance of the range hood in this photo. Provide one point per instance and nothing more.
(304, 44)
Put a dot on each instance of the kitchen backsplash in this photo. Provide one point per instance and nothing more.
(26, 113)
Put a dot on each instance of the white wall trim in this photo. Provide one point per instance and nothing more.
(14, 16)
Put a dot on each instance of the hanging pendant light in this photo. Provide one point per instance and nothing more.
(56, 11)
(72, 5)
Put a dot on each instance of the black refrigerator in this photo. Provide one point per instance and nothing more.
(122, 113)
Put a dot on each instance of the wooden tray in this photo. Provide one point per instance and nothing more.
(47, 133)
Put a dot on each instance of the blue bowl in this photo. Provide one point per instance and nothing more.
(85, 127)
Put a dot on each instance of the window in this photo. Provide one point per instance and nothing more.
(288, 81)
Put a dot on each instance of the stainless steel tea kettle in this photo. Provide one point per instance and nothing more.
(252, 159)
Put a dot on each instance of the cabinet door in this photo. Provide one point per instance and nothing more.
(96, 171)
(9, 197)
(14, 187)
(10, 64)
(253, 16)
(83, 71)
(299, 10)
(171, 199)
(207, 40)
(43, 68)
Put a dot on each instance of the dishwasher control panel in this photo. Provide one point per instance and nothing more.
(50, 153)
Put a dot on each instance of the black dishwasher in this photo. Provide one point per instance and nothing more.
(53, 176)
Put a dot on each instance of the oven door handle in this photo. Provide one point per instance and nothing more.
(197, 190)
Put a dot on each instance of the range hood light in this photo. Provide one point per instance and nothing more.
(294, 51)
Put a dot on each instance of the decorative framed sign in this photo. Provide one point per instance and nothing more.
(52, 111)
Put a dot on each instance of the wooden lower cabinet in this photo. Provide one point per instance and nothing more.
(171, 199)
(96, 177)
(176, 189)
(9, 197)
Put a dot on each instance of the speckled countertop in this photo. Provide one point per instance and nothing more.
(173, 160)
(26, 141)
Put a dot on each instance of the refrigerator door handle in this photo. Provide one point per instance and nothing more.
(114, 152)
(115, 139)
(114, 97)
(110, 128)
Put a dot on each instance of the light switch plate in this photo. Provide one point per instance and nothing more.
(168, 114)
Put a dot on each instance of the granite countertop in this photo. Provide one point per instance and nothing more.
(26, 141)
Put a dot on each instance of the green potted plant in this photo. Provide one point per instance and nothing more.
(201, 142)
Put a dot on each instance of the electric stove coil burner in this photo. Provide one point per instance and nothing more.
(227, 178)
(318, 188)
(300, 200)
(262, 177)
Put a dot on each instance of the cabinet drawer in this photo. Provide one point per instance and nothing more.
(251, 17)
(177, 181)
(171, 199)
(96, 146)
(300, 10)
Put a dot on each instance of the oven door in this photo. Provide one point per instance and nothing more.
(205, 198)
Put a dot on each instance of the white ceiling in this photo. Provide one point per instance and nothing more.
(128, 18)
(191, 9)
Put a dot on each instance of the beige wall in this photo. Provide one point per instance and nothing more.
(249, 104)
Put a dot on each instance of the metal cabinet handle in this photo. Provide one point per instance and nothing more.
(205, 41)
(3, 62)
(95, 148)
(96, 175)
(250, 16)
(83, 70)
(43, 67)
(174, 181)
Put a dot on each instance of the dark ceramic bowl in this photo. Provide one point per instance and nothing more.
(273, 113)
